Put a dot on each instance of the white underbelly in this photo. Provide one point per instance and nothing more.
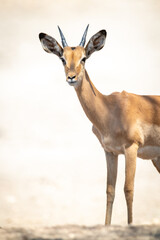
(150, 148)
(151, 141)
(149, 152)
(144, 152)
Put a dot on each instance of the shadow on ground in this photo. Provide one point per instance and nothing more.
(66, 232)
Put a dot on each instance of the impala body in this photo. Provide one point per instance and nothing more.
(124, 123)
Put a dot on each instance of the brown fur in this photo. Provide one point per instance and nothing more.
(124, 123)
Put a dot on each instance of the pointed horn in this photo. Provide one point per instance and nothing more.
(82, 43)
(64, 43)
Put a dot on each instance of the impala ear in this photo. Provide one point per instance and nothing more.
(50, 45)
(96, 42)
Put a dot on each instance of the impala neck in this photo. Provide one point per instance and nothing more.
(92, 102)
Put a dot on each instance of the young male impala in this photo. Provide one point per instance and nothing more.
(124, 123)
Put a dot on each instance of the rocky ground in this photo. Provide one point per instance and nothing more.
(66, 232)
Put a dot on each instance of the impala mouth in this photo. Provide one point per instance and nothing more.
(71, 82)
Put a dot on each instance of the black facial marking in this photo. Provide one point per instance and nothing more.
(88, 79)
(83, 60)
(73, 48)
(63, 61)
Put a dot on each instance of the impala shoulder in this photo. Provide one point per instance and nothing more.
(127, 95)
(121, 98)
(123, 94)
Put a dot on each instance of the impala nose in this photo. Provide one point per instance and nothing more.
(71, 79)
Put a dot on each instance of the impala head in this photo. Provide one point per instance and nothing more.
(73, 58)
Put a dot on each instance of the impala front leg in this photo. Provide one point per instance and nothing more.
(130, 168)
(111, 182)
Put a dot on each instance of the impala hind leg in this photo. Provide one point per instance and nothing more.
(130, 168)
(111, 182)
(156, 163)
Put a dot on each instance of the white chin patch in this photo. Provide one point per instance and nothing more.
(72, 82)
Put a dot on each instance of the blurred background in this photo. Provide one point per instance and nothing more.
(52, 168)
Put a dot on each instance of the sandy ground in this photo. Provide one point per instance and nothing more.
(76, 232)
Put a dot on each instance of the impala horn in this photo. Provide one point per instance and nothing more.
(82, 43)
(64, 43)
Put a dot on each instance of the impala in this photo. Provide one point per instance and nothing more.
(124, 123)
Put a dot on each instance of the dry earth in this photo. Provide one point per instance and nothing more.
(143, 232)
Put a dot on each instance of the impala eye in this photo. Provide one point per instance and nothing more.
(83, 60)
(63, 61)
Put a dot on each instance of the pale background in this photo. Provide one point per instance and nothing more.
(52, 168)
